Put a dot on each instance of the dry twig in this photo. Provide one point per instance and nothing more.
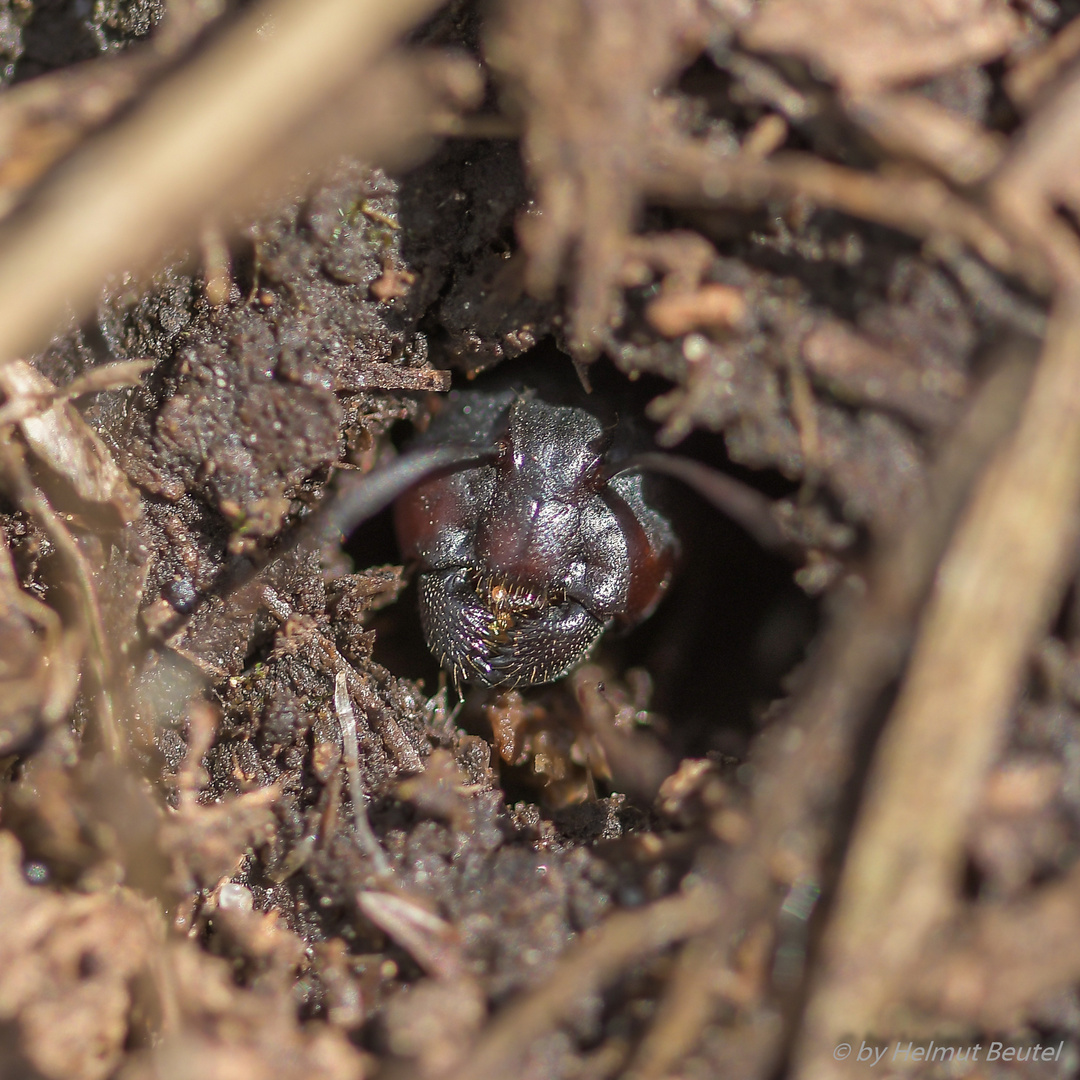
(624, 938)
(800, 773)
(204, 132)
(994, 593)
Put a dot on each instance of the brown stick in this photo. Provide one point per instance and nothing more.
(624, 938)
(994, 593)
(691, 173)
(126, 196)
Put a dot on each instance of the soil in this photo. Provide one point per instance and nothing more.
(188, 886)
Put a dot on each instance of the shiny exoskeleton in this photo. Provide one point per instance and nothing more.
(546, 536)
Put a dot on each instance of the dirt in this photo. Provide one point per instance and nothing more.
(187, 884)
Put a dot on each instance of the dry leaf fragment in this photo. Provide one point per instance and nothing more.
(430, 941)
(60, 438)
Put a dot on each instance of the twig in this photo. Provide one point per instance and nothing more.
(121, 200)
(692, 173)
(377, 376)
(912, 126)
(1040, 175)
(763, 83)
(365, 835)
(856, 369)
(683, 1011)
(624, 938)
(1038, 69)
(807, 761)
(993, 301)
(995, 591)
(867, 47)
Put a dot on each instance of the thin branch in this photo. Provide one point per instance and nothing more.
(123, 199)
(624, 939)
(687, 172)
(994, 594)
(365, 835)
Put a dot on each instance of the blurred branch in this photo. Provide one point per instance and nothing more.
(1039, 175)
(44, 118)
(805, 762)
(120, 201)
(912, 126)
(1039, 68)
(624, 938)
(687, 172)
(867, 46)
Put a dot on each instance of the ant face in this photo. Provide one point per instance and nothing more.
(526, 557)
(528, 508)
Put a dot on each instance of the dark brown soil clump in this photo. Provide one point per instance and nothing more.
(825, 804)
